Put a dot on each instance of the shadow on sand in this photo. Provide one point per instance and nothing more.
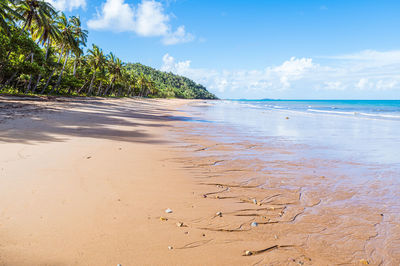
(41, 119)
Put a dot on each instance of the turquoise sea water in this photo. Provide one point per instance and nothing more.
(347, 152)
(357, 130)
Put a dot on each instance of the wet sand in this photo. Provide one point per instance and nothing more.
(87, 182)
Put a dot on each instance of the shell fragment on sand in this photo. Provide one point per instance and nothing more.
(254, 224)
(168, 210)
(248, 253)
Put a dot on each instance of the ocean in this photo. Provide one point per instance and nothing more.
(358, 130)
(342, 157)
(354, 142)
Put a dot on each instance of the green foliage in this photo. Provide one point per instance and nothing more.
(170, 85)
(45, 56)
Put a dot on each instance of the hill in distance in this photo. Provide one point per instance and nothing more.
(170, 85)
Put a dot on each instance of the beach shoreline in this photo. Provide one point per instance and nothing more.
(87, 182)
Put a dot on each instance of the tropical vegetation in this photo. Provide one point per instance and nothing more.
(42, 51)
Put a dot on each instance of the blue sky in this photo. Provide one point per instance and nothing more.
(257, 49)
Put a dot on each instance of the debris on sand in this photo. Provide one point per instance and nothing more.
(218, 214)
(248, 253)
(168, 210)
(255, 252)
(254, 224)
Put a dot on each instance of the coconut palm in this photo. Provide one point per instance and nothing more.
(96, 60)
(114, 66)
(36, 15)
(68, 41)
(34, 12)
(80, 36)
(7, 15)
(47, 35)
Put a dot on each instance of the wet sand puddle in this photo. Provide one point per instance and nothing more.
(278, 206)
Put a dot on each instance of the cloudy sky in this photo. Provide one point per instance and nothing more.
(314, 49)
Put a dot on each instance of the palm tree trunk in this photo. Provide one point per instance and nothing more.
(31, 77)
(62, 70)
(37, 83)
(83, 86)
(52, 73)
(109, 86)
(91, 82)
(74, 73)
(45, 59)
(99, 89)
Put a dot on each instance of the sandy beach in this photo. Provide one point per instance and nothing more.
(88, 181)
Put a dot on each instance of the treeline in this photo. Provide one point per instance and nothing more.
(170, 85)
(42, 51)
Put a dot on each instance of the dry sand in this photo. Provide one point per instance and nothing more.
(87, 182)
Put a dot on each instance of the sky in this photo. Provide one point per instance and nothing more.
(256, 49)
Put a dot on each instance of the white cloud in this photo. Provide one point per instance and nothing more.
(116, 15)
(151, 20)
(67, 4)
(353, 75)
(148, 19)
(169, 65)
(363, 84)
(179, 36)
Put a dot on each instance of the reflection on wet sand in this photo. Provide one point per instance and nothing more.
(285, 208)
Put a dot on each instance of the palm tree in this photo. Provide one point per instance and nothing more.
(68, 42)
(65, 42)
(48, 34)
(96, 60)
(35, 15)
(7, 15)
(114, 65)
(34, 12)
(80, 36)
(142, 83)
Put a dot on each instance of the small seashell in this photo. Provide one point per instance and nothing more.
(254, 201)
(170, 247)
(254, 224)
(217, 197)
(163, 219)
(179, 224)
(248, 253)
(219, 214)
(275, 236)
(168, 210)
